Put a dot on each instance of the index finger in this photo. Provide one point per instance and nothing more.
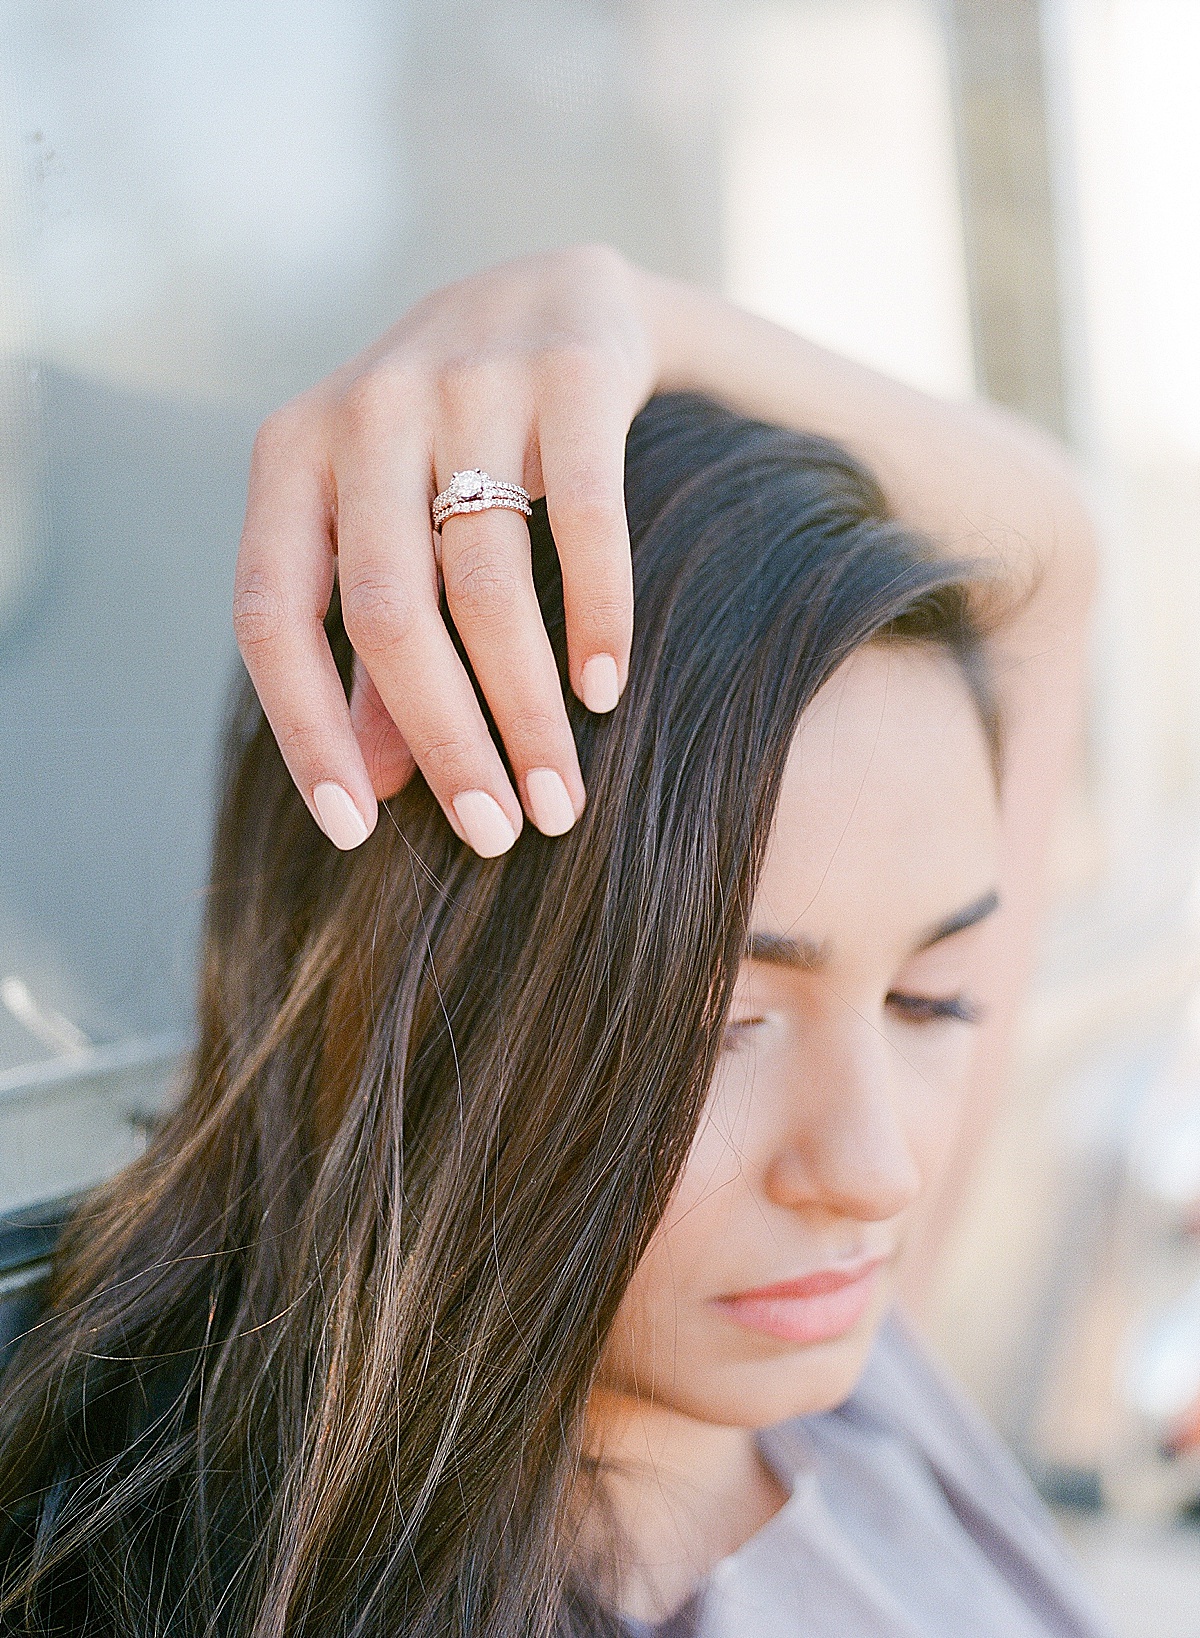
(282, 586)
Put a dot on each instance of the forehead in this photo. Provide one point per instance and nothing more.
(887, 819)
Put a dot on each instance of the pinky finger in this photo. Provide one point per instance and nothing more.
(583, 469)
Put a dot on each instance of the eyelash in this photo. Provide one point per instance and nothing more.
(914, 1009)
(929, 1009)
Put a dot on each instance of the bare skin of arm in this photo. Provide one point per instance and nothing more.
(981, 485)
(534, 371)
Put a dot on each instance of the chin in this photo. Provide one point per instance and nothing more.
(818, 1379)
(773, 1382)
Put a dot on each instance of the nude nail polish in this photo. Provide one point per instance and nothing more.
(553, 812)
(599, 686)
(484, 823)
(340, 819)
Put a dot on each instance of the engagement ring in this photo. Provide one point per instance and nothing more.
(474, 491)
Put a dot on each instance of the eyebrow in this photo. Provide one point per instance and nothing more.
(807, 955)
(969, 916)
(780, 950)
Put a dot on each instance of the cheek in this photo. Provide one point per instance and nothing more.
(933, 1074)
(684, 1259)
(720, 1228)
(725, 1144)
(720, 1175)
(687, 1261)
(654, 1336)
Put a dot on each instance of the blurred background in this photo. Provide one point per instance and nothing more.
(204, 208)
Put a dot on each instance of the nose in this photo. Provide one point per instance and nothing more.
(844, 1148)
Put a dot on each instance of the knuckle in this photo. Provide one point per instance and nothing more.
(300, 745)
(280, 433)
(373, 403)
(578, 363)
(604, 615)
(260, 615)
(585, 503)
(599, 259)
(378, 613)
(535, 725)
(478, 583)
(449, 765)
(470, 380)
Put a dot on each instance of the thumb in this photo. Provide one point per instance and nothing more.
(389, 761)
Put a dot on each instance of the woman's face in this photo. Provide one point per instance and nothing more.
(839, 1087)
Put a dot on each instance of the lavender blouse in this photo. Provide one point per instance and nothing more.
(907, 1519)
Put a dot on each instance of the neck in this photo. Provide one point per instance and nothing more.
(678, 1494)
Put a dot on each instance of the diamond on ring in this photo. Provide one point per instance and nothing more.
(475, 491)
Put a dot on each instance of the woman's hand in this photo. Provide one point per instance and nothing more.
(533, 372)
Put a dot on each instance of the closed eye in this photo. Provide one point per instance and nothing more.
(737, 1028)
(931, 1009)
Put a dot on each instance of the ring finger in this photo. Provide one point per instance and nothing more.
(488, 578)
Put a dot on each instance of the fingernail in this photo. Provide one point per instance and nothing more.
(340, 819)
(553, 811)
(484, 823)
(599, 684)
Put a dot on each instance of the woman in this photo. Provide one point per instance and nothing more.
(511, 1200)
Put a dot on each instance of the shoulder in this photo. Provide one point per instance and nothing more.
(910, 1467)
(906, 1386)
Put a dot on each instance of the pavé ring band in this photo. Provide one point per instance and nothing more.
(474, 491)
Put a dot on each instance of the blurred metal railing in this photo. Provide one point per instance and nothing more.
(67, 1123)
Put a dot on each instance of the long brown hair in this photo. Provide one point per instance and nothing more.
(317, 1363)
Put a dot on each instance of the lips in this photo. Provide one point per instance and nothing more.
(818, 1307)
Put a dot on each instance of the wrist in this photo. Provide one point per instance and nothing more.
(676, 328)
